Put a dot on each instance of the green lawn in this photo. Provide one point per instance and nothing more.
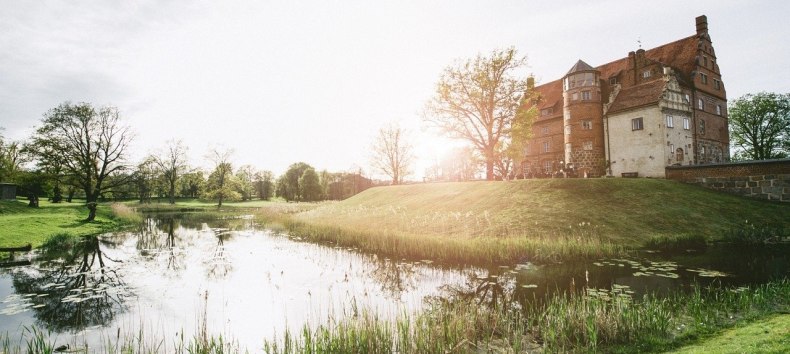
(21, 225)
(771, 335)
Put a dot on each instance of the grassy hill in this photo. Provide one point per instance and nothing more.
(601, 212)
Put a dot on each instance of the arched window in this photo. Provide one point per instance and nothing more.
(679, 154)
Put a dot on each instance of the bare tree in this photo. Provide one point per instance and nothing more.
(392, 153)
(172, 163)
(92, 143)
(478, 100)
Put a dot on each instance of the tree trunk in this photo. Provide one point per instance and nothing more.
(172, 195)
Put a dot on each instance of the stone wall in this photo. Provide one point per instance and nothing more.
(758, 179)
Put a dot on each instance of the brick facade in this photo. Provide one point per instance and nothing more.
(679, 79)
(768, 180)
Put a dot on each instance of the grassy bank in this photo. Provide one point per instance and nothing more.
(22, 225)
(536, 220)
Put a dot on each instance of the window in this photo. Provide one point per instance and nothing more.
(575, 96)
(586, 95)
(702, 127)
(545, 146)
(703, 78)
(567, 130)
(700, 103)
(702, 151)
(679, 154)
(718, 109)
(547, 166)
(587, 124)
(587, 145)
(686, 124)
(687, 98)
(613, 80)
(717, 84)
(670, 121)
(636, 124)
(546, 111)
(646, 74)
(544, 130)
(704, 61)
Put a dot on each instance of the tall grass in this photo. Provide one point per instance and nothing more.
(566, 323)
(572, 243)
(752, 234)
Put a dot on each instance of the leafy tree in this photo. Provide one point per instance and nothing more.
(192, 184)
(92, 144)
(220, 185)
(478, 101)
(310, 186)
(264, 185)
(392, 153)
(145, 178)
(172, 164)
(245, 175)
(289, 186)
(12, 157)
(760, 126)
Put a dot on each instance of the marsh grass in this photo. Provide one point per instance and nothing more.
(567, 323)
(752, 234)
(680, 242)
(574, 243)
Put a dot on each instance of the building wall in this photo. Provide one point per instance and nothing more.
(768, 180)
(642, 151)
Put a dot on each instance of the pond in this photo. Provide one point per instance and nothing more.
(180, 274)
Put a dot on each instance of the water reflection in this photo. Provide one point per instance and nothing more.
(252, 283)
(394, 277)
(77, 291)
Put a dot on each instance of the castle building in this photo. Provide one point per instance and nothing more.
(634, 116)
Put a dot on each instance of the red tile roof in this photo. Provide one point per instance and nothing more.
(637, 96)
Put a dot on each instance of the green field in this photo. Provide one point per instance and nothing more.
(21, 225)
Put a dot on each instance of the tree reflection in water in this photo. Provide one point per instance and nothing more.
(218, 265)
(157, 238)
(491, 290)
(77, 290)
(394, 277)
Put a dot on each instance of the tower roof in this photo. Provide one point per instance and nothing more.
(580, 66)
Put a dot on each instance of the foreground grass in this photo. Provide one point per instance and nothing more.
(566, 324)
(534, 220)
(771, 335)
(21, 225)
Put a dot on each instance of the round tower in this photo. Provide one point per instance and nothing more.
(583, 121)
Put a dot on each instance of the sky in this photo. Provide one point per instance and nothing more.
(280, 82)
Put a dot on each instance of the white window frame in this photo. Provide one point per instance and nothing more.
(700, 103)
(686, 123)
(670, 121)
(646, 74)
(587, 145)
(587, 124)
(586, 95)
(546, 146)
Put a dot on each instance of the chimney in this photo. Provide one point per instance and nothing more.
(702, 25)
